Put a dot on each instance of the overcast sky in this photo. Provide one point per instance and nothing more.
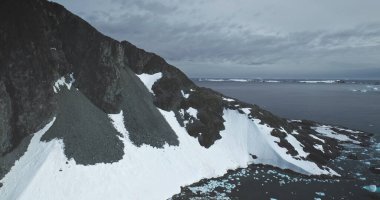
(247, 38)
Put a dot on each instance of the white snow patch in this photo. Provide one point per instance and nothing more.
(117, 121)
(246, 110)
(266, 148)
(327, 132)
(319, 147)
(297, 146)
(192, 111)
(150, 79)
(348, 130)
(228, 99)
(317, 138)
(62, 82)
(186, 96)
(23, 172)
(294, 133)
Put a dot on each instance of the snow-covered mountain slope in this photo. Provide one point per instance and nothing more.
(45, 172)
(88, 117)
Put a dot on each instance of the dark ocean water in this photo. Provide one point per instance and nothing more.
(353, 105)
(356, 106)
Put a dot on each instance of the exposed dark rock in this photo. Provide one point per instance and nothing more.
(210, 115)
(26, 65)
(167, 93)
(143, 121)
(5, 116)
(283, 142)
(41, 41)
(86, 131)
(375, 169)
(352, 156)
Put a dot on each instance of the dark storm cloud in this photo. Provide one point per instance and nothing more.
(222, 38)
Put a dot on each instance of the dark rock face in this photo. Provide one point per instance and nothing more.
(209, 120)
(5, 129)
(86, 131)
(41, 41)
(143, 121)
(22, 67)
(353, 156)
(375, 169)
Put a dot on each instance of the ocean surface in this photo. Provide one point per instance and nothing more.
(353, 104)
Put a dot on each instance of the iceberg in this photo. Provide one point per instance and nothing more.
(372, 188)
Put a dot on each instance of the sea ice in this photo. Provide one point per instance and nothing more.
(372, 188)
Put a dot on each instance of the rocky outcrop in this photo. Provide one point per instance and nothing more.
(40, 41)
(5, 116)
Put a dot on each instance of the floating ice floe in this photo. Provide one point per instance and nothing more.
(372, 188)
(368, 88)
(321, 194)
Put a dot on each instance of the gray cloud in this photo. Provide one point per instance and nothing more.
(220, 38)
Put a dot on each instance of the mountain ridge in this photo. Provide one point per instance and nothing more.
(51, 60)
